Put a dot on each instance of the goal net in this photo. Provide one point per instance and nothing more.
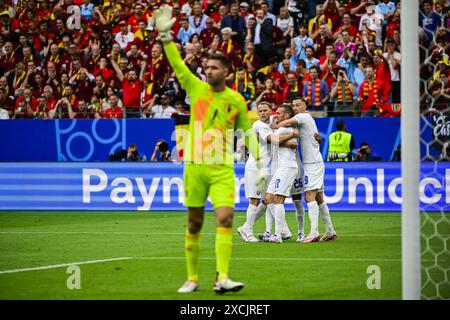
(434, 132)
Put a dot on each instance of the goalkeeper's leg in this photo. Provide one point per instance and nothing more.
(196, 194)
(224, 243)
(222, 197)
(192, 248)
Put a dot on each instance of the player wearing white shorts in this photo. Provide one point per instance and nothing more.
(298, 188)
(314, 171)
(284, 171)
(256, 207)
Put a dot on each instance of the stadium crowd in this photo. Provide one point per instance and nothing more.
(102, 59)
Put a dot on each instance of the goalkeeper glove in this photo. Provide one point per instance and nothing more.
(164, 22)
(262, 176)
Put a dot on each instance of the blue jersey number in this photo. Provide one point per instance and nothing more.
(277, 183)
(298, 183)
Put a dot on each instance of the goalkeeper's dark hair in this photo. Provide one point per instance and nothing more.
(220, 57)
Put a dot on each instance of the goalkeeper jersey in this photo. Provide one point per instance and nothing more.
(214, 117)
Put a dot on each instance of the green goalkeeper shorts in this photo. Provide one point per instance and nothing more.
(217, 181)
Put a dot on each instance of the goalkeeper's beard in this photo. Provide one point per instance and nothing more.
(215, 82)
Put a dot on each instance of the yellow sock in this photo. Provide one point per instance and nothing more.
(191, 249)
(224, 245)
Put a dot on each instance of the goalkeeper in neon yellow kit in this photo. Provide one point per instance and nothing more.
(216, 111)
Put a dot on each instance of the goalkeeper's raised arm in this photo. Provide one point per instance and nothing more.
(164, 22)
(215, 108)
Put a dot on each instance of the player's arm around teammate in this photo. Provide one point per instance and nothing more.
(257, 205)
(314, 173)
(285, 166)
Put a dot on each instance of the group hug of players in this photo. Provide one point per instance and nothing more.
(279, 136)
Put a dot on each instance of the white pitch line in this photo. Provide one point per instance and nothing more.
(274, 259)
(53, 266)
(170, 233)
(204, 258)
(97, 232)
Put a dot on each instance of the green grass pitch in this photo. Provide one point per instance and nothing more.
(153, 242)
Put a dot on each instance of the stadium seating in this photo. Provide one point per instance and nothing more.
(59, 59)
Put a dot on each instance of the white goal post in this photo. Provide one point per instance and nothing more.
(410, 150)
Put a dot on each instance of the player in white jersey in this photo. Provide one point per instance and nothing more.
(314, 171)
(296, 193)
(298, 188)
(284, 172)
(256, 207)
